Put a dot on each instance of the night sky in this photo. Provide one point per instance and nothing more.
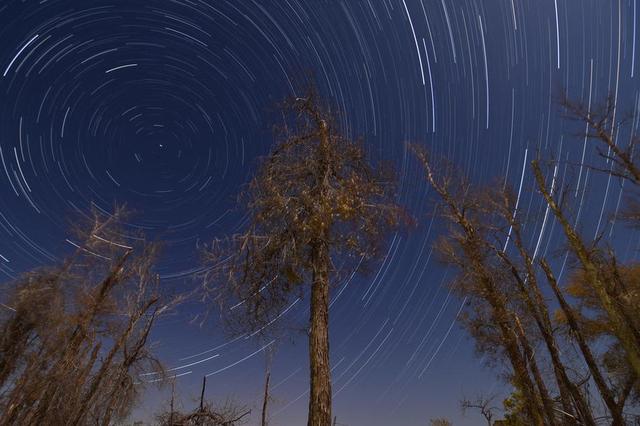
(167, 105)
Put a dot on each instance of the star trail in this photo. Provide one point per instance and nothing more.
(167, 105)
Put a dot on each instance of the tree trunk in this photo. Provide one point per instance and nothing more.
(533, 366)
(265, 401)
(537, 306)
(606, 394)
(503, 319)
(622, 329)
(173, 395)
(204, 385)
(523, 382)
(320, 392)
(565, 385)
(501, 315)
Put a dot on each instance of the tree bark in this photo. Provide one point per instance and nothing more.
(537, 376)
(622, 329)
(320, 392)
(617, 419)
(521, 377)
(265, 400)
(537, 306)
(501, 316)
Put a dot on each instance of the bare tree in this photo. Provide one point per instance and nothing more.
(316, 208)
(597, 310)
(482, 219)
(486, 284)
(75, 337)
(623, 329)
(624, 282)
(206, 414)
(527, 286)
(571, 316)
(482, 404)
(601, 127)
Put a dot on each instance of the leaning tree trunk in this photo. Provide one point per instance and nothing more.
(320, 392)
(533, 366)
(623, 330)
(606, 394)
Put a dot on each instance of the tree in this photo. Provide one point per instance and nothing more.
(316, 208)
(601, 126)
(504, 283)
(621, 381)
(600, 270)
(483, 404)
(485, 283)
(527, 288)
(590, 323)
(623, 329)
(206, 414)
(74, 338)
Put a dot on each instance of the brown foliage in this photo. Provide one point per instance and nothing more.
(75, 336)
(485, 283)
(624, 283)
(504, 283)
(315, 188)
(317, 209)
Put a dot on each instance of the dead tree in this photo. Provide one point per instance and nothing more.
(481, 279)
(527, 286)
(206, 414)
(500, 284)
(602, 286)
(317, 208)
(623, 329)
(483, 405)
(265, 399)
(76, 336)
(601, 127)
(571, 315)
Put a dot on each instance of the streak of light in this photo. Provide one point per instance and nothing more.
(18, 54)
(241, 360)
(120, 67)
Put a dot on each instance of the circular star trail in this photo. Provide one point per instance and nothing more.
(166, 106)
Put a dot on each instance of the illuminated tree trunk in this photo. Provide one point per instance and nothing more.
(623, 330)
(502, 318)
(537, 306)
(320, 393)
(488, 290)
(315, 200)
(608, 397)
(547, 404)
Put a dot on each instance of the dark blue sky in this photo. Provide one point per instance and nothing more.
(166, 105)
